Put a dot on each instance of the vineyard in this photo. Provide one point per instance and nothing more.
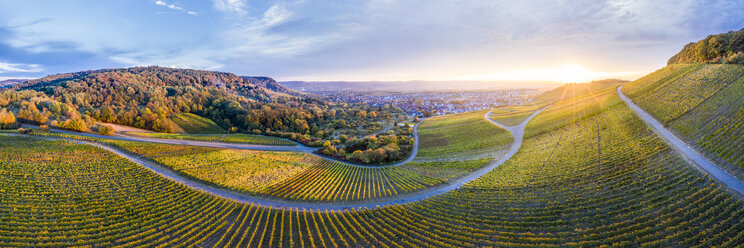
(703, 104)
(289, 175)
(239, 170)
(286, 175)
(446, 170)
(227, 138)
(336, 182)
(512, 115)
(191, 123)
(464, 135)
(602, 179)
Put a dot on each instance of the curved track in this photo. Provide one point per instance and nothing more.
(687, 151)
(516, 131)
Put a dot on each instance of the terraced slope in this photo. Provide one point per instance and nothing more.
(702, 104)
(465, 136)
(603, 179)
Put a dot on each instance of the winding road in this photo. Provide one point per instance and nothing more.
(516, 131)
(687, 151)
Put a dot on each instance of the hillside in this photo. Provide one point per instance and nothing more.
(703, 103)
(270, 84)
(148, 97)
(191, 123)
(725, 48)
(11, 82)
(144, 97)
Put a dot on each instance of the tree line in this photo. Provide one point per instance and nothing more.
(725, 48)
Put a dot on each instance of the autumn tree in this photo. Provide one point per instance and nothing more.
(106, 130)
(7, 119)
(75, 123)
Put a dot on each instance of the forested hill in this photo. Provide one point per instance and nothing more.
(147, 97)
(725, 48)
(271, 84)
(258, 88)
(11, 82)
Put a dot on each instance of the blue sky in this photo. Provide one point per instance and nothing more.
(359, 40)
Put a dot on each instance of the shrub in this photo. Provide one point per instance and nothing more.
(106, 130)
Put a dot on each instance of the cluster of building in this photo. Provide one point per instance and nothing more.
(440, 102)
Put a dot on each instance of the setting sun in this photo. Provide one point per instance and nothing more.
(571, 73)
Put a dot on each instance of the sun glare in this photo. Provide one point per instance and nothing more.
(573, 73)
(567, 73)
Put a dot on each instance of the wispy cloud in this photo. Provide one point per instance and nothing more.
(174, 7)
(231, 6)
(12, 67)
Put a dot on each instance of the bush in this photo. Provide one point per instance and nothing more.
(74, 123)
(106, 130)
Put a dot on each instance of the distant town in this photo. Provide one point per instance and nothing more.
(425, 104)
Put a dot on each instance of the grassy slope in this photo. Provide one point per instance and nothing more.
(513, 115)
(446, 170)
(463, 134)
(191, 123)
(703, 104)
(239, 170)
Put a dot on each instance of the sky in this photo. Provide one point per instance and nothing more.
(377, 40)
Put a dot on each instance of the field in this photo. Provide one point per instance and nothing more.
(512, 115)
(239, 170)
(583, 106)
(227, 138)
(603, 179)
(466, 135)
(191, 123)
(446, 170)
(335, 182)
(56, 193)
(704, 104)
(569, 91)
(288, 175)
(285, 175)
